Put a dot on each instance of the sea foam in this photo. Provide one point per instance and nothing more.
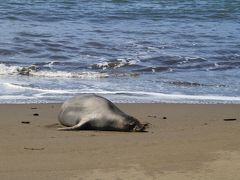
(17, 70)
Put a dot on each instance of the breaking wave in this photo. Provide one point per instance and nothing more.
(114, 64)
(81, 75)
(8, 70)
(35, 71)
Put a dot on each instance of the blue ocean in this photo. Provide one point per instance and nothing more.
(149, 51)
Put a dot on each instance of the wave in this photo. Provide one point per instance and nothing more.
(164, 96)
(135, 95)
(8, 70)
(113, 64)
(35, 71)
(81, 75)
(28, 87)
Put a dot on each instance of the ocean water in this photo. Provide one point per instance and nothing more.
(126, 50)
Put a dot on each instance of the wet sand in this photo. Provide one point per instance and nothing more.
(183, 142)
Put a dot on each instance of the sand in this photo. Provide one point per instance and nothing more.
(184, 142)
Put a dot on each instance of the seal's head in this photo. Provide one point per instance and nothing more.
(135, 126)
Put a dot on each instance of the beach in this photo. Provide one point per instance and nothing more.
(184, 141)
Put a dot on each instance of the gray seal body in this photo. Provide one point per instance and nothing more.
(93, 112)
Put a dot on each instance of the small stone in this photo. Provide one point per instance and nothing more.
(25, 122)
(230, 119)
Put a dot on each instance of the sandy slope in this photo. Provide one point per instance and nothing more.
(192, 142)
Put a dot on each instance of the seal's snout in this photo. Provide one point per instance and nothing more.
(141, 127)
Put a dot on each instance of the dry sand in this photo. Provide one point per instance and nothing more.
(192, 142)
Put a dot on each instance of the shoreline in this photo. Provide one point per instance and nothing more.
(184, 141)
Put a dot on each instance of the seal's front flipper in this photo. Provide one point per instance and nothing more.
(75, 127)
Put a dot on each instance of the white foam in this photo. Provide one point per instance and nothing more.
(161, 97)
(50, 64)
(8, 69)
(64, 74)
(116, 96)
(52, 91)
(190, 97)
(14, 70)
(137, 94)
(116, 64)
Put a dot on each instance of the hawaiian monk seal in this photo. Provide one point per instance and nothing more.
(93, 112)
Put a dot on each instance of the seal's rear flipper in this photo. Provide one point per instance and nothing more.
(76, 127)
